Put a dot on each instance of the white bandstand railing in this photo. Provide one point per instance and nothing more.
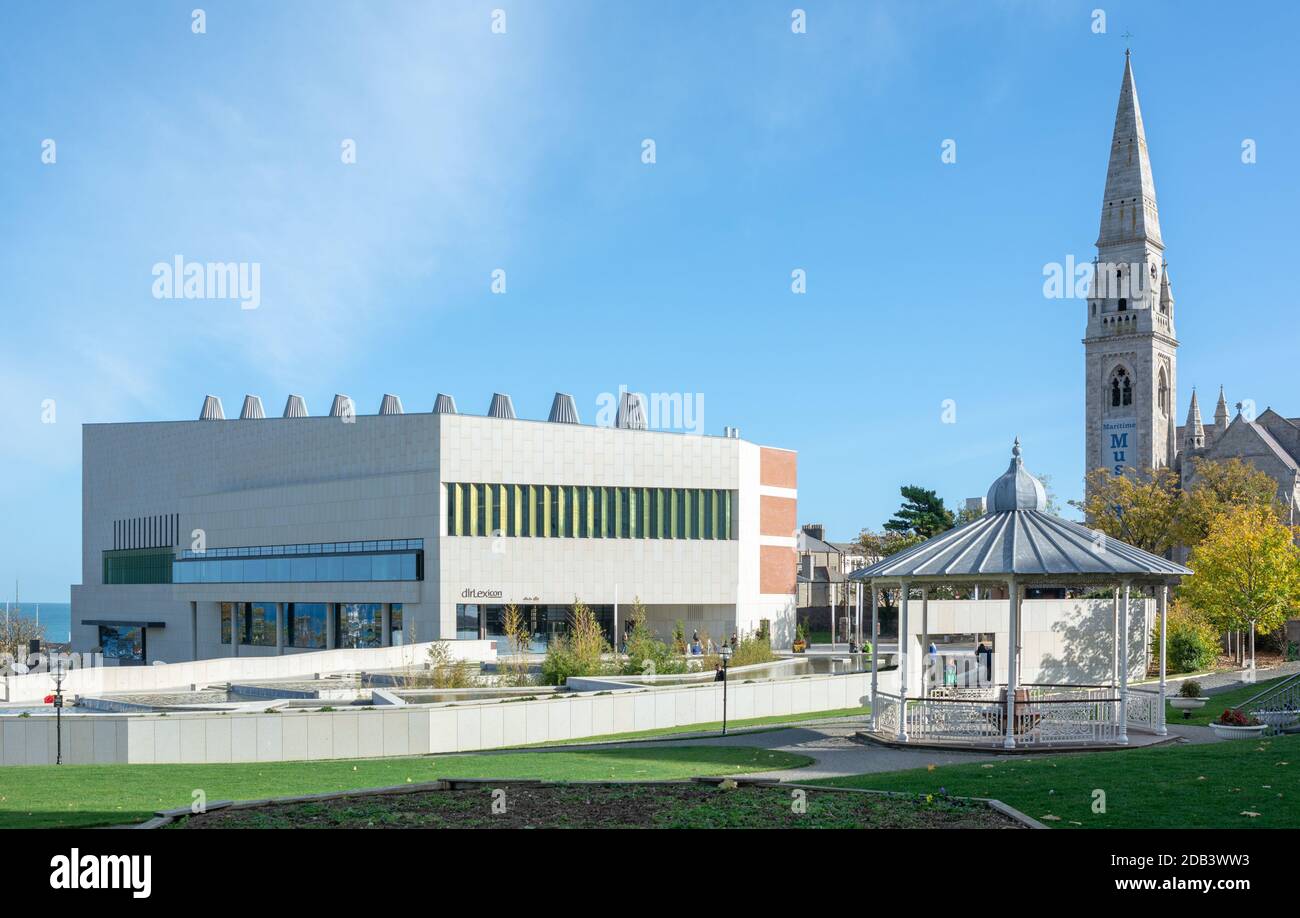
(1144, 710)
(1043, 715)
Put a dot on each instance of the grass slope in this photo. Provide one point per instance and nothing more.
(1217, 785)
(1214, 707)
(88, 795)
(774, 720)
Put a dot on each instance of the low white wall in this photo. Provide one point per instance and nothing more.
(99, 680)
(412, 730)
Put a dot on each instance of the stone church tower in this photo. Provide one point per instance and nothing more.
(1130, 346)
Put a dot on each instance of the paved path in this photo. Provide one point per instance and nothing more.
(1214, 683)
(835, 754)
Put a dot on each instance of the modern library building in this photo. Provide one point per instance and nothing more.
(259, 536)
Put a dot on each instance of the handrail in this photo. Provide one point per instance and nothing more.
(1285, 685)
(1002, 701)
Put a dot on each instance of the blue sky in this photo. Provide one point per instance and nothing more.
(522, 151)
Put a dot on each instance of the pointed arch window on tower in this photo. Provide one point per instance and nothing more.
(1121, 388)
(1163, 394)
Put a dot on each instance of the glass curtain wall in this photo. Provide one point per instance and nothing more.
(544, 622)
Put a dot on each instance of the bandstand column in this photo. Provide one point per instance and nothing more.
(875, 650)
(1114, 640)
(1013, 640)
(1123, 666)
(1164, 627)
(926, 675)
(903, 590)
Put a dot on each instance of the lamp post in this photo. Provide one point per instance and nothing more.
(58, 672)
(725, 653)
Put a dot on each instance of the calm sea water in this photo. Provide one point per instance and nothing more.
(55, 616)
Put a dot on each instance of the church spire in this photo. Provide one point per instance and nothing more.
(1166, 292)
(1221, 413)
(1128, 210)
(1194, 434)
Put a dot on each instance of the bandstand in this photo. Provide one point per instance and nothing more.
(1017, 545)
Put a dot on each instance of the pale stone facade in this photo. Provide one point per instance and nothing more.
(1131, 346)
(313, 485)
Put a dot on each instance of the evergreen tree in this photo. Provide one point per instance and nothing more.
(922, 514)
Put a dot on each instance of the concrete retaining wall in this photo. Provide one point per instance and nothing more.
(102, 680)
(411, 730)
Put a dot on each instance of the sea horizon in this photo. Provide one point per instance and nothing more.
(55, 616)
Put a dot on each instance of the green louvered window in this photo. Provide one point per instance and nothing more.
(138, 565)
(587, 512)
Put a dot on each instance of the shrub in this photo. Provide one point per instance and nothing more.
(750, 650)
(513, 671)
(1192, 644)
(581, 652)
(646, 654)
(1190, 689)
(446, 672)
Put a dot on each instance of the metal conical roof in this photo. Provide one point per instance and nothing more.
(631, 413)
(1016, 489)
(564, 410)
(391, 404)
(295, 407)
(1018, 537)
(252, 408)
(212, 410)
(501, 407)
(444, 404)
(342, 407)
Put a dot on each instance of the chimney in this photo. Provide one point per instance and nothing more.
(295, 407)
(563, 410)
(501, 407)
(631, 413)
(252, 408)
(816, 530)
(391, 404)
(212, 410)
(343, 407)
(444, 404)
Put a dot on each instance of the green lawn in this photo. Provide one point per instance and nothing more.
(88, 795)
(775, 721)
(1216, 704)
(1217, 785)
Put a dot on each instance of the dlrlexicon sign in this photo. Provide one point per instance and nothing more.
(103, 871)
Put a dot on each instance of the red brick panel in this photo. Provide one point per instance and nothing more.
(776, 569)
(777, 516)
(777, 468)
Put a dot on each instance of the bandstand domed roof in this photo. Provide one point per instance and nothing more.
(1016, 489)
(1018, 537)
